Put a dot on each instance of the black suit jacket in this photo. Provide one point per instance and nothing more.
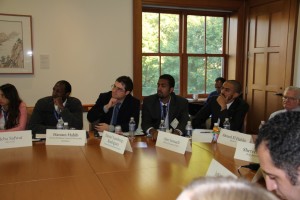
(43, 116)
(151, 112)
(129, 108)
(236, 114)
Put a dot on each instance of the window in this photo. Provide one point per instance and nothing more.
(189, 46)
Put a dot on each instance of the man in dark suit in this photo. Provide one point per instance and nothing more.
(115, 107)
(176, 109)
(226, 105)
(49, 109)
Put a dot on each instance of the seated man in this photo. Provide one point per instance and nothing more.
(218, 85)
(115, 107)
(290, 100)
(48, 110)
(278, 150)
(167, 106)
(226, 105)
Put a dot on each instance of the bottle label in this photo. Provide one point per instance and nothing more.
(131, 127)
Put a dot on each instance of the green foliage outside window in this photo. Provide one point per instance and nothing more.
(161, 52)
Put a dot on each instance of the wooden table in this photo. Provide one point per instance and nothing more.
(93, 172)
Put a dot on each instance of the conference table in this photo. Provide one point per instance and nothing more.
(94, 172)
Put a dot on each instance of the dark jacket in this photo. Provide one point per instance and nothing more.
(43, 116)
(151, 112)
(129, 108)
(236, 114)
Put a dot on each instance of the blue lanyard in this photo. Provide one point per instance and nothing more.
(5, 114)
(57, 115)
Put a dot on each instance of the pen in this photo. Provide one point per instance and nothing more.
(206, 132)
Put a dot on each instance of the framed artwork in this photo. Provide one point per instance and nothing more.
(16, 53)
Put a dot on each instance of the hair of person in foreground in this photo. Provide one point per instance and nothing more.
(215, 188)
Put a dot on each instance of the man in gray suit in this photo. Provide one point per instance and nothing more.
(165, 105)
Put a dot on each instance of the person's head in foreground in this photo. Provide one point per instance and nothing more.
(224, 188)
(278, 149)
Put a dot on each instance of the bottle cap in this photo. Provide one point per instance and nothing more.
(216, 124)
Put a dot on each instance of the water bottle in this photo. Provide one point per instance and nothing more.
(189, 129)
(60, 124)
(162, 126)
(66, 125)
(216, 132)
(226, 124)
(131, 128)
(261, 124)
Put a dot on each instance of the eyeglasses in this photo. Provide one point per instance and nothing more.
(285, 98)
(113, 86)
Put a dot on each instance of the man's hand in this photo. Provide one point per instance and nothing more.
(222, 101)
(112, 102)
(102, 127)
(176, 132)
(59, 102)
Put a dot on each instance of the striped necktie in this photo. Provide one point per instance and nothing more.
(115, 114)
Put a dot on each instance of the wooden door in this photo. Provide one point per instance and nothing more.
(267, 70)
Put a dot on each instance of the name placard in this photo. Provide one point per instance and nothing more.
(216, 169)
(65, 137)
(15, 139)
(115, 142)
(246, 151)
(202, 135)
(173, 142)
(229, 138)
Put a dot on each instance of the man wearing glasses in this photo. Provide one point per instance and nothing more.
(227, 105)
(290, 100)
(115, 107)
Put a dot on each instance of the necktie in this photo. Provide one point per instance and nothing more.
(115, 114)
(164, 111)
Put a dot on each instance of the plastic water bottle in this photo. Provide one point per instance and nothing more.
(162, 126)
(131, 128)
(226, 124)
(66, 125)
(189, 129)
(60, 124)
(216, 132)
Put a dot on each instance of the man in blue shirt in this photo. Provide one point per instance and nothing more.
(218, 85)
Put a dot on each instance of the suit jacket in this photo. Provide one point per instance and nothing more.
(151, 112)
(129, 108)
(43, 116)
(236, 114)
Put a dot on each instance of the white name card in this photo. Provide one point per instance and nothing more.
(202, 135)
(65, 137)
(173, 142)
(246, 151)
(115, 142)
(15, 139)
(216, 169)
(229, 138)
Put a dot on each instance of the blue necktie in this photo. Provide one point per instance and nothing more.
(164, 111)
(115, 114)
